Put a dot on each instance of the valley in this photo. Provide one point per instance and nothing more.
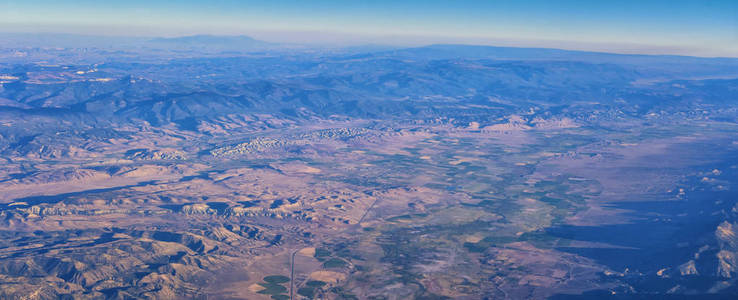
(430, 173)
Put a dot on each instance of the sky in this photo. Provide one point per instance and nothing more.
(703, 28)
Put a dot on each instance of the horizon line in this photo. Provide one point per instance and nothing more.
(633, 48)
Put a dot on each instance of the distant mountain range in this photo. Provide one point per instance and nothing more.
(430, 52)
(194, 42)
(180, 85)
(212, 42)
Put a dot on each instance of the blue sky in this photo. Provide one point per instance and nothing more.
(677, 26)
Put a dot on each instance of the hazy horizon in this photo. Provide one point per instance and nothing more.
(302, 150)
(694, 28)
(345, 40)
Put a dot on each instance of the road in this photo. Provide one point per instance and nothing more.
(292, 275)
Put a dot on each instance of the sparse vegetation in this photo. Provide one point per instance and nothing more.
(413, 173)
(315, 284)
(334, 263)
(277, 279)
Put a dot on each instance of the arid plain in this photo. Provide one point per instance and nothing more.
(330, 177)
